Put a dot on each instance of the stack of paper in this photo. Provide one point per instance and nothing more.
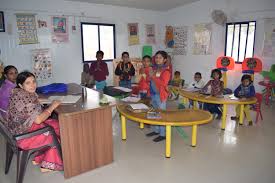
(123, 89)
(139, 106)
(68, 99)
(191, 89)
(131, 99)
(232, 97)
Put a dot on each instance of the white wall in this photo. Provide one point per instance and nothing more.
(200, 12)
(67, 58)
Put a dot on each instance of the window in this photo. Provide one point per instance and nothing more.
(97, 37)
(240, 37)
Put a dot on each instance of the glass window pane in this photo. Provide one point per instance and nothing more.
(229, 38)
(107, 41)
(90, 41)
(250, 41)
(236, 42)
(243, 41)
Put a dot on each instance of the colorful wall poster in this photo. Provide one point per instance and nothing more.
(42, 64)
(202, 44)
(150, 34)
(133, 34)
(60, 32)
(26, 27)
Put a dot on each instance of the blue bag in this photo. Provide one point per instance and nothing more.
(53, 88)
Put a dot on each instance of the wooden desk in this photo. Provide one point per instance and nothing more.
(187, 117)
(195, 96)
(86, 132)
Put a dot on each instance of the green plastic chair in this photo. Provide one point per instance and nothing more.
(270, 74)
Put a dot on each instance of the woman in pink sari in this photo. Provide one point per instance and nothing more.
(25, 114)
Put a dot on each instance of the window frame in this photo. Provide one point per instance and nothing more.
(98, 25)
(240, 23)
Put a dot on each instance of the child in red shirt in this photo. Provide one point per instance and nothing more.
(144, 82)
(159, 79)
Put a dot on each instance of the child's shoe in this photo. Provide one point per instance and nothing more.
(250, 123)
(236, 118)
(159, 138)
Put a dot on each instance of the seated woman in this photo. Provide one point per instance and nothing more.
(10, 73)
(25, 114)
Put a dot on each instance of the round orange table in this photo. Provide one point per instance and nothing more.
(195, 96)
(187, 117)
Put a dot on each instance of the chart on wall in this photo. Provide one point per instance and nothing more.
(26, 27)
(42, 64)
(133, 34)
(269, 38)
(60, 32)
(176, 39)
(150, 34)
(202, 43)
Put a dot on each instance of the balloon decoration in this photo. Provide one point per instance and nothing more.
(225, 63)
(251, 65)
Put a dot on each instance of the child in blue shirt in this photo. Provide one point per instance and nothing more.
(244, 90)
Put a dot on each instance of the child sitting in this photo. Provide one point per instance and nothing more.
(144, 82)
(198, 83)
(216, 90)
(87, 80)
(176, 81)
(244, 90)
(125, 70)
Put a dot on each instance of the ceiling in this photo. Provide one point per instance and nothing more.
(157, 5)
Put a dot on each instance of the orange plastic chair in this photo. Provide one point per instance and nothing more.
(257, 107)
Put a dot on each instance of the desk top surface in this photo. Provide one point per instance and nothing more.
(186, 117)
(215, 100)
(88, 101)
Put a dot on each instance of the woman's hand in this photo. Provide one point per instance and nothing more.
(54, 104)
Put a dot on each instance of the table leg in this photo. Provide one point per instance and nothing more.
(267, 95)
(123, 127)
(241, 114)
(195, 103)
(168, 141)
(194, 135)
(141, 125)
(224, 112)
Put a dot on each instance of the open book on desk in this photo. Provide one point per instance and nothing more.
(68, 99)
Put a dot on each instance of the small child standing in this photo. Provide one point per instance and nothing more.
(99, 70)
(144, 82)
(244, 90)
(216, 90)
(125, 70)
(159, 92)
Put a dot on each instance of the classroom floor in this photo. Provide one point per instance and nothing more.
(239, 154)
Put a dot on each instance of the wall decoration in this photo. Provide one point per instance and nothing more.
(176, 39)
(60, 32)
(202, 39)
(42, 24)
(2, 22)
(26, 26)
(180, 40)
(269, 38)
(150, 34)
(42, 64)
(133, 34)
(169, 37)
